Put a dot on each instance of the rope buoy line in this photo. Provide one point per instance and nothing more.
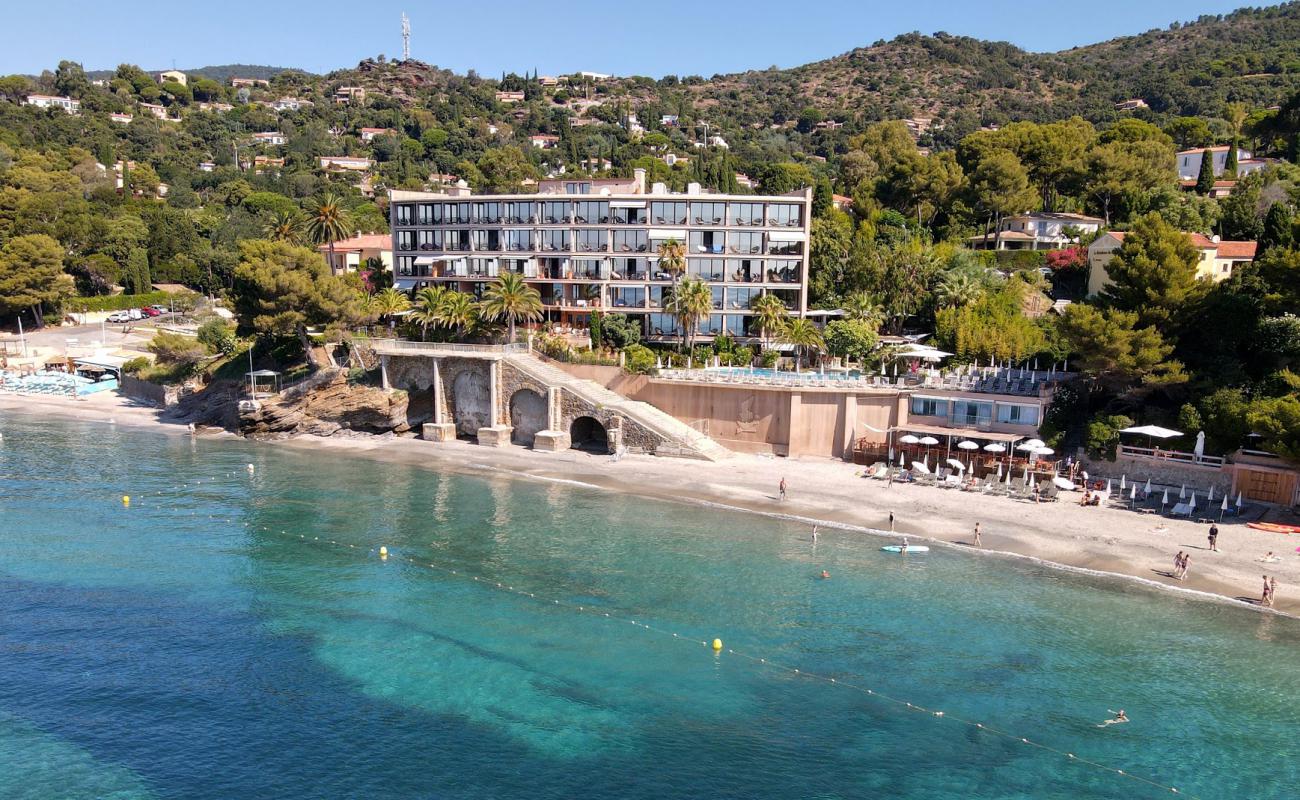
(716, 647)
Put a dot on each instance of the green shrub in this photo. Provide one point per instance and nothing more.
(185, 353)
(218, 336)
(702, 355)
(638, 359)
(742, 356)
(121, 302)
(136, 365)
(1103, 435)
(769, 358)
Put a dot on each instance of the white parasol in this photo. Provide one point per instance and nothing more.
(1063, 483)
(968, 445)
(908, 438)
(929, 440)
(920, 467)
(995, 448)
(957, 465)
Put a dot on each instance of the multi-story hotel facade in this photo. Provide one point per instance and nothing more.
(592, 244)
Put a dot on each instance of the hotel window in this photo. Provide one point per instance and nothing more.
(590, 268)
(778, 248)
(591, 212)
(555, 213)
(627, 296)
(788, 297)
(929, 407)
(403, 214)
(1017, 415)
(748, 214)
(663, 325)
(629, 269)
(404, 265)
(489, 239)
(711, 325)
(553, 241)
(488, 213)
(746, 270)
(518, 213)
(706, 242)
(749, 243)
(782, 271)
(784, 215)
(591, 241)
(971, 412)
(741, 299)
(429, 214)
(657, 296)
(628, 216)
(631, 241)
(457, 240)
(575, 187)
(483, 267)
(709, 213)
(663, 213)
(705, 269)
(735, 325)
(519, 240)
(456, 213)
(718, 297)
(406, 240)
(430, 240)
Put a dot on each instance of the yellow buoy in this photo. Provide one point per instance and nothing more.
(126, 499)
(717, 644)
(383, 552)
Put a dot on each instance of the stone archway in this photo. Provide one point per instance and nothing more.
(587, 433)
(471, 402)
(528, 415)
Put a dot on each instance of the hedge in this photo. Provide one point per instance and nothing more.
(117, 302)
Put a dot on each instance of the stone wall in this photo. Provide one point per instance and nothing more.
(1167, 473)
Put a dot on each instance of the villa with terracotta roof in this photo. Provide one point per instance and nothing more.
(1039, 230)
(1189, 162)
(368, 134)
(351, 255)
(1218, 259)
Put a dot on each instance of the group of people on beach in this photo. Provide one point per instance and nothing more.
(1270, 591)
(1180, 565)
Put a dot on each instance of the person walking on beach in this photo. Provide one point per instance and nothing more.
(1214, 537)
(1272, 591)
(977, 535)
(1178, 566)
(1264, 598)
(1182, 575)
(782, 489)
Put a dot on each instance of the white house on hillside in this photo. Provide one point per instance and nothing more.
(1189, 162)
(1218, 259)
(1040, 230)
(51, 101)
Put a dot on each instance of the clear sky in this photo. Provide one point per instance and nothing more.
(624, 38)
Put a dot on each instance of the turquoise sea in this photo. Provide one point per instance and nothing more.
(208, 641)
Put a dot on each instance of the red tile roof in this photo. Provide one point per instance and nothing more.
(366, 241)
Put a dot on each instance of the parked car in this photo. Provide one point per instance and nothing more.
(150, 311)
(119, 316)
(160, 309)
(135, 313)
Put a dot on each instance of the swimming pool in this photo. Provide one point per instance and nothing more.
(786, 375)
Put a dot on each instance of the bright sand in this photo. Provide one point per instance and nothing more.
(1107, 540)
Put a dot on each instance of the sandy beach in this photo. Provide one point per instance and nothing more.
(1104, 540)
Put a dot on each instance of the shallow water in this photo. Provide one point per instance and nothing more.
(209, 642)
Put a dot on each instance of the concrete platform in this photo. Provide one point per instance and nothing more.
(495, 435)
(438, 431)
(552, 441)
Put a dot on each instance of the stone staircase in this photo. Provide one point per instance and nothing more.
(680, 439)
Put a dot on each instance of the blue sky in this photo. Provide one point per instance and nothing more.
(620, 37)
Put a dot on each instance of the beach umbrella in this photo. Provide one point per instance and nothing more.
(1132, 495)
(995, 448)
(1199, 449)
(921, 467)
(957, 465)
(1043, 451)
(1063, 483)
(1210, 497)
(929, 440)
(891, 455)
(1182, 492)
(1123, 482)
(1008, 480)
(968, 445)
(1108, 487)
(1238, 501)
(1035, 443)
(926, 462)
(1191, 504)
(1147, 490)
(1223, 509)
(908, 439)
(1164, 501)
(999, 470)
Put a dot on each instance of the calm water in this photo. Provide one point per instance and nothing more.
(194, 646)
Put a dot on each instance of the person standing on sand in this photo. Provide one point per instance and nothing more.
(891, 522)
(1264, 597)
(1182, 575)
(1178, 566)
(977, 535)
(1272, 591)
(1214, 537)
(782, 489)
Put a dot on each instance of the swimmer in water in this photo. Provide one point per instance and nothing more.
(814, 534)
(903, 547)
(1119, 717)
(825, 575)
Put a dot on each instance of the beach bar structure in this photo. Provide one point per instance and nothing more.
(263, 382)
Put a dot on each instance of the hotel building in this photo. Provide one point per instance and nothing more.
(588, 244)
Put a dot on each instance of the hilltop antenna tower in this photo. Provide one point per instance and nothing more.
(406, 37)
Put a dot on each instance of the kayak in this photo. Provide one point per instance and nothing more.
(911, 548)
(1273, 527)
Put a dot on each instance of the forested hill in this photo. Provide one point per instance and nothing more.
(1251, 55)
(221, 73)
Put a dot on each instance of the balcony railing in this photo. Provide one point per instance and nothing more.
(1178, 456)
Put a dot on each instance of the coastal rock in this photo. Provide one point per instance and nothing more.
(331, 406)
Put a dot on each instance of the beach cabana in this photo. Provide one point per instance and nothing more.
(263, 382)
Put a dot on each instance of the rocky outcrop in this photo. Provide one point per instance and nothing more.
(331, 407)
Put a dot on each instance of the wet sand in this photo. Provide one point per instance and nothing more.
(1112, 541)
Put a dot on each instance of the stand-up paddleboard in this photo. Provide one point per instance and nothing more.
(911, 548)
(1273, 527)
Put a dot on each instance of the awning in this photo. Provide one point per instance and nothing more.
(965, 433)
(787, 236)
(424, 261)
(627, 204)
(103, 362)
(1153, 430)
(668, 233)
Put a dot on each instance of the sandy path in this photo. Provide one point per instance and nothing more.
(1110, 540)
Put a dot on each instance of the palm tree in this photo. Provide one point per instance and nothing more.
(425, 310)
(863, 307)
(509, 297)
(457, 310)
(389, 302)
(803, 335)
(771, 315)
(284, 226)
(328, 222)
(958, 288)
(690, 302)
(672, 258)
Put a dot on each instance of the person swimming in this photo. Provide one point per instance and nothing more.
(825, 575)
(902, 548)
(1120, 717)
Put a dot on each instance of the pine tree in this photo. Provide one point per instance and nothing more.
(136, 278)
(823, 198)
(1277, 230)
(1230, 168)
(1205, 180)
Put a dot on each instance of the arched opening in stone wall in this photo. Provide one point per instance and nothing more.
(419, 405)
(471, 402)
(528, 415)
(586, 433)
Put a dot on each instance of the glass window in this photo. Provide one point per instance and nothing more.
(457, 240)
(746, 270)
(971, 412)
(487, 212)
(706, 242)
(577, 187)
(785, 248)
(555, 212)
(708, 213)
(929, 407)
(405, 264)
(667, 213)
(589, 268)
(788, 297)
(629, 269)
(516, 213)
(749, 214)
(430, 240)
(483, 267)
(784, 215)
(553, 240)
(718, 299)
(406, 240)
(657, 295)
(426, 215)
(711, 325)
(489, 239)
(591, 240)
(519, 240)
(745, 243)
(782, 271)
(741, 299)
(706, 269)
(663, 325)
(1017, 415)
(628, 216)
(631, 241)
(403, 214)
(591, 211)
(735, 324)
(627, 296)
